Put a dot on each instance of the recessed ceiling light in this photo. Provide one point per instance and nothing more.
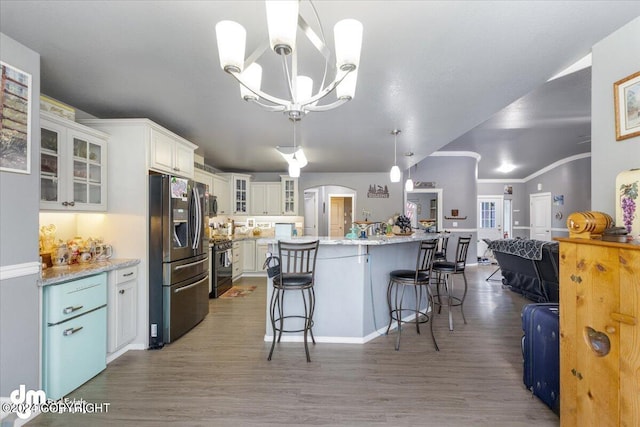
(506, 168)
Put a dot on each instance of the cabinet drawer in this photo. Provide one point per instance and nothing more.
(70, 299)
(74, 352)
(126, 274)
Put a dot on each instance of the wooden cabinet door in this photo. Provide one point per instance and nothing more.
(589, 378)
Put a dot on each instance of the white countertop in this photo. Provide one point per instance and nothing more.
(56, 275)
(373, 240)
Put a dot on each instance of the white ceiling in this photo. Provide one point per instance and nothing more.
(440, 71)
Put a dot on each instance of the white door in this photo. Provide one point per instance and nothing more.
(489, 221)
(310, 213)
(540, 216)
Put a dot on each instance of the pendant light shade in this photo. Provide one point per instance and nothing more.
(348, 38)
(253, 76)
(408, 186)
(294, 168)
(394, 173)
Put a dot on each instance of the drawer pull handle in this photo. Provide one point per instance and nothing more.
(71, 331)
(72, 309)
(128, 274)
(624, 318)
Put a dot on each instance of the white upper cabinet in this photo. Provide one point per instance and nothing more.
(73, 166)
(289, 195)
(171, 154)
(221, 190)
(239, 193)
(266, 199)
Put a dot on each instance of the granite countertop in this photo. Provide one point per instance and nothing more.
(372, 240)
(56, 275)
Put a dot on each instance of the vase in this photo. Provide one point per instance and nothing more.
(627, 201)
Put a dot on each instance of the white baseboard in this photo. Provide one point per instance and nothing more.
(135, 346)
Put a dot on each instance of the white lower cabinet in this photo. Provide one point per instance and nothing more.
(248, 255)
(122, 312)
(237, 261)
(261, 256)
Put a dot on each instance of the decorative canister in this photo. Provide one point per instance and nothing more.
(589, 224)
(627, 201)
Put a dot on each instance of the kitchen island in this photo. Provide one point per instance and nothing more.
(350, 286)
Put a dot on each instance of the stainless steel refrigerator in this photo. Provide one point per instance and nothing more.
(178, 258)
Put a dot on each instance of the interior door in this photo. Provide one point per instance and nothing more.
(540, 216)
(489, 220)
(310, 213)
(336, 224)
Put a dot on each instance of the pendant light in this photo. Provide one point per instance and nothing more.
(408, 185)
(394, 174)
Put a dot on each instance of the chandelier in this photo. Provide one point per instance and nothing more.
(283, 20)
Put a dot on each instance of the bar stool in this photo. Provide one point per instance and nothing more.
(448, 269)
(297, 273)
(441, 251)
(418, 279)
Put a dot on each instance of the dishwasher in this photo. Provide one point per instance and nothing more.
(74, 334)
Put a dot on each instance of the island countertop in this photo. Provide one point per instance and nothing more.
(372, 240)
(56, 275)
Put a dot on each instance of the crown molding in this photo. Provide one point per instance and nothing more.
(456, 154)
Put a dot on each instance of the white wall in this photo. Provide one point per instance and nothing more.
(614, 58)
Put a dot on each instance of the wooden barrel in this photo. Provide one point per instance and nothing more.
(590, 222)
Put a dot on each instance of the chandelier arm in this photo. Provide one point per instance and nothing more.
(258, 92)
(274, 108)
(317, 41)
(328, 89)
(257, 53)
(327, 107)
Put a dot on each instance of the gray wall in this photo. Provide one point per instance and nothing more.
(19, 297)
(571, 180)
(614, 58)
(457, 176)
(381, 209)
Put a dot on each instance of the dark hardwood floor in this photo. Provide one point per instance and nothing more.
(218, 374)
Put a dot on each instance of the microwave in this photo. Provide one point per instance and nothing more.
(211, 205)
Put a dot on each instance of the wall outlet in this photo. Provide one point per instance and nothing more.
(455, 224)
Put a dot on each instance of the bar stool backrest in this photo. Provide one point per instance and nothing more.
(441, 250)
(297, 258)
(461, 252)
(426, 256)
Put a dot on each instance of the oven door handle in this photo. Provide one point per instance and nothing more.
(184, 288)
(191, 264)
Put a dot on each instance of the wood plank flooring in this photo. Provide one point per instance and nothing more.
(218, 374)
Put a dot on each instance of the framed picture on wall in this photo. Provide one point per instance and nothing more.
(626, 95)
(15, 110)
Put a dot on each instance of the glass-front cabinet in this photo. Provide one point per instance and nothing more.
(240, 191)
(289, 195)
(73, 169)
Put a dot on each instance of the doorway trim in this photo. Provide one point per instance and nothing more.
(315, 193)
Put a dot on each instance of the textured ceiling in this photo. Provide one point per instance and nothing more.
(436, 70)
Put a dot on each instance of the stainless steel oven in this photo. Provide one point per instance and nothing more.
(221, 267)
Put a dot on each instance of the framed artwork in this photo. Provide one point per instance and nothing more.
(15, 110)
(508, 189)
(626, 95)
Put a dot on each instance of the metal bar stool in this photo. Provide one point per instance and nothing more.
(418, 279)
(441, 251)
(297, 273)
(448, 269)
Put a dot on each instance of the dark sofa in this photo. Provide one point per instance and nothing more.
(529, 267)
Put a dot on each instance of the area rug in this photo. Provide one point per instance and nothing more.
(238, 291)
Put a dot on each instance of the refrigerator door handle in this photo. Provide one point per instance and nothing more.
(184, 288)
(197, 215)
(191, 264)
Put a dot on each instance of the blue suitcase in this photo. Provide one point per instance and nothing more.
(541, 352)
